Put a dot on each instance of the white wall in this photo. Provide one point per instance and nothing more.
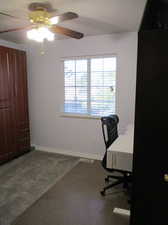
(51, 131)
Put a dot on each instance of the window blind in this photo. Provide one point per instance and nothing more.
(90, 86)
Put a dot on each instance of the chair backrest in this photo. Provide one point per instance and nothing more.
(110, 134)
(109, 129)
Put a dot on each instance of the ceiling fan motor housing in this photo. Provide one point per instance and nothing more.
(40, 16)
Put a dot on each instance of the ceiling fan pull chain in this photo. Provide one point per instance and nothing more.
(42, 51)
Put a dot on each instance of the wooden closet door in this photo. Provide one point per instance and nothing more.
(21, 101)
(7, 120)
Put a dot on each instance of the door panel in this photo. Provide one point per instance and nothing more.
(150, 191)
(7, 119)
(23, 131)
(7, 138)
(4, 78)
(14, 121)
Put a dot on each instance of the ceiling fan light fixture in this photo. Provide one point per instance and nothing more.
(40, 34)
(44, 24)
(40, 17)
(54, 20)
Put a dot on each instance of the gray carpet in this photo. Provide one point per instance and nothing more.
(26, 179)
(76, 200)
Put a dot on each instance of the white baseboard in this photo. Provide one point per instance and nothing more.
(123, 212)
(67, 152)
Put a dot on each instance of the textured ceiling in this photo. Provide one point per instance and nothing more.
(96, 17)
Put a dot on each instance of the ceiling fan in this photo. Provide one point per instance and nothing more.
(43, 25)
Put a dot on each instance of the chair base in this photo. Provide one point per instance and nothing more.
(125, 180)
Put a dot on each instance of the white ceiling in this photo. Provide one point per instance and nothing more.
(96, 17)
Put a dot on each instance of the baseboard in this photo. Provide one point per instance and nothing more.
(66, 152)
(123, 212)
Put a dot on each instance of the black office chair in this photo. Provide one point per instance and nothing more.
(110, 134)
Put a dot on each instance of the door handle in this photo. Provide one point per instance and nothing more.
(166, 178)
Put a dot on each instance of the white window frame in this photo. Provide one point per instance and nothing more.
(86, 116)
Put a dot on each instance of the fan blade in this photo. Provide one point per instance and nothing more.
(5, 14)
(66, 31)
(15, 29)
(63, 17)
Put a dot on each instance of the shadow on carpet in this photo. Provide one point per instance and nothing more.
(24, 180)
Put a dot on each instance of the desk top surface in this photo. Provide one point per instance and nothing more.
(124, 143)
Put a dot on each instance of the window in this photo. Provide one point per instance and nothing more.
(90, 85)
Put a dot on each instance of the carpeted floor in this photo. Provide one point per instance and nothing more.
(76, 200)
(26, 179)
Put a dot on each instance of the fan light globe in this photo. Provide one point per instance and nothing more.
(54, 20)
(40, 34)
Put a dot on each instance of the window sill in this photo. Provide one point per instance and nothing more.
(80, 116)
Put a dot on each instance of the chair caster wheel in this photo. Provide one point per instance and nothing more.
(106, 179)
(102, 193)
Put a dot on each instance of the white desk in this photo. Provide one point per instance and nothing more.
(120, 153)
